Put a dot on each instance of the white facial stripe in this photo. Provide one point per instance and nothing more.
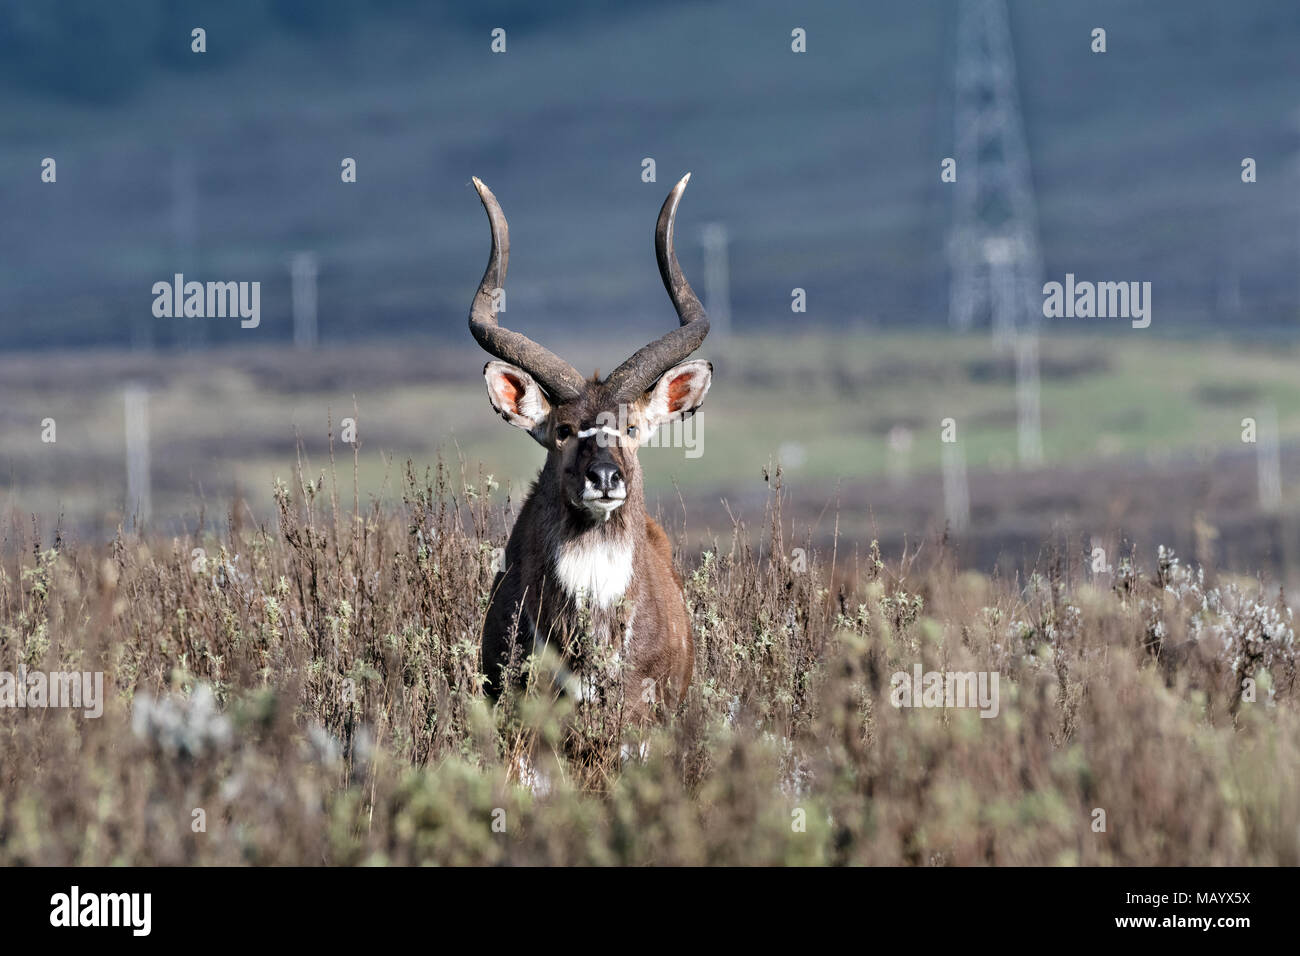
(588, 432)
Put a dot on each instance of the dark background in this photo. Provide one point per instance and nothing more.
(823, 166)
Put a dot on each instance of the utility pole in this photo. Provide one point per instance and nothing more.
(302, 279)
(1029, 420)
(138, 490)
(956, 492)
(1268, 461)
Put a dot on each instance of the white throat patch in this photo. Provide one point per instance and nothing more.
(597, 571)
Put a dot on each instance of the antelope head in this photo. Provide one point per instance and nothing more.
(592, 428)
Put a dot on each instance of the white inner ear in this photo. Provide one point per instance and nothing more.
(515, 395)
(678, 392)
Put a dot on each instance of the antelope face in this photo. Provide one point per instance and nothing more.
(592, 429)
(592, 441)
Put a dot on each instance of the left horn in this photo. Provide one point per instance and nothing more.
(556, 376)
(644, 368)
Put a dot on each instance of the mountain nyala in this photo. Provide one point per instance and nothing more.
(586, 567)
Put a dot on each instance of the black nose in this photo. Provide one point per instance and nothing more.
(604, 475)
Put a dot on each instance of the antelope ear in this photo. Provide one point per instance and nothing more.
(517, 398)
(678, 393)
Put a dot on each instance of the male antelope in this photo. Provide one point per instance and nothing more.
(584, 558)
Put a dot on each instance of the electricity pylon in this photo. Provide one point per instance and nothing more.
(993, 247)
(996, 264)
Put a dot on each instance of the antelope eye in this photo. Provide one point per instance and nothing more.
(631, 431)
(563, 432)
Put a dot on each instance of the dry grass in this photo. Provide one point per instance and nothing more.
(346, 725)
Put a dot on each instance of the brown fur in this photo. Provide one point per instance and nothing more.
(529, 603)
(586, 571)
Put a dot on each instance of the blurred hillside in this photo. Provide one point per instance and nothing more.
(824, 166)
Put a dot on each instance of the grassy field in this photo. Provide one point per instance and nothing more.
(1135, 429)
(308, 694)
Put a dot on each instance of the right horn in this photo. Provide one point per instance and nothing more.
(644, 368)
(556, 376)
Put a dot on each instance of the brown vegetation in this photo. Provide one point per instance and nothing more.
(314, 688)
